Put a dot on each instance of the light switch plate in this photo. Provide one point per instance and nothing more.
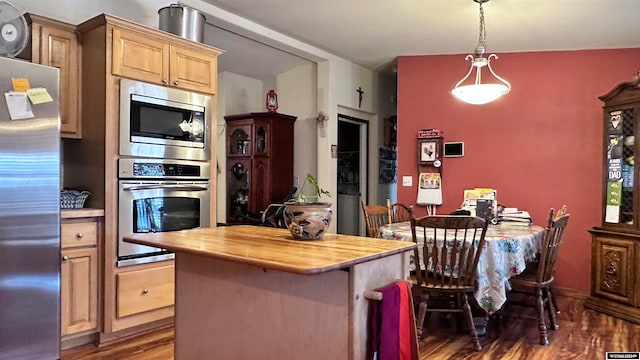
(407, 180)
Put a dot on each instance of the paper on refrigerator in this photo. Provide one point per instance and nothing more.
(18, 105)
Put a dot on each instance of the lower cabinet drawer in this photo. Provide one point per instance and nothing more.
(144, 290)
(78, 234)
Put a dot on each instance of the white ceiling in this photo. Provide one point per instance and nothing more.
(373, 33)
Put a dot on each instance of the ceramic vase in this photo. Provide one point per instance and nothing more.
(307, 221)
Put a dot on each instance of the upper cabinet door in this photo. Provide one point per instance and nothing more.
(140, 57)
(193, 70)
(59, 48)
(56, 43)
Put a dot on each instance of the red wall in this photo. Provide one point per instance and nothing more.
(540, 145)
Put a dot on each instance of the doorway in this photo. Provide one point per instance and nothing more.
(351, 173)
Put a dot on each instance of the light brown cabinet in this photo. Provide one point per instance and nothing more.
(55, 43)
(112, 49)
(615, 245)
(79, 289)
(79, 274)
(145, 290)
(149, 59)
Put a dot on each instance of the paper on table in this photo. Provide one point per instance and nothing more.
(18, 105)
(39, 96)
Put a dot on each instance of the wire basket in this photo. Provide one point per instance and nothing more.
(73, 199)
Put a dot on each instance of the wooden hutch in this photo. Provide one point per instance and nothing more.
(615, 247)
(259, 162)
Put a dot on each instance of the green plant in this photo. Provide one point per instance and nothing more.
(300, 197)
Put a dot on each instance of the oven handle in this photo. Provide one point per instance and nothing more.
(167, 187)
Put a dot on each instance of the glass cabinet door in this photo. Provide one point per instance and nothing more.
(239, 141)
(264, 137)
(261, 140)
(620, 162)
(238, 187)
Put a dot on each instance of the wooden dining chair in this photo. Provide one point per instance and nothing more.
(374, 217)
(399, 212)
(560, 212)
(453, 245)
(535, 282)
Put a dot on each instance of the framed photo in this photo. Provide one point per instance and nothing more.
(429, 150)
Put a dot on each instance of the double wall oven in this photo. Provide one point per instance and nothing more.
(163, 168)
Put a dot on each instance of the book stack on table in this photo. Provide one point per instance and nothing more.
(515, 217)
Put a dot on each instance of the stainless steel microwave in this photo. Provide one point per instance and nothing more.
(164, 122)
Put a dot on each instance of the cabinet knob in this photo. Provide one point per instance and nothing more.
(79, 235)
(145, 291)
(164, 81)
(65, 258)
(175, 82)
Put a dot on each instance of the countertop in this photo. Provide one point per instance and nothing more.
(273, 248)
(80, 213)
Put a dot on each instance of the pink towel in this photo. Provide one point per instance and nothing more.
(393, 324)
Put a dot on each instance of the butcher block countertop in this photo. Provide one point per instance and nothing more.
(273, 248)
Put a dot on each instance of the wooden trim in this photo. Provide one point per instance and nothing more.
(577, 294)
(77, 340)
(146, 30)
(105, 339)
(81, 213)
(613, 308)
(31, 18)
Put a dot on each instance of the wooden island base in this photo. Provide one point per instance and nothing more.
(244, 295)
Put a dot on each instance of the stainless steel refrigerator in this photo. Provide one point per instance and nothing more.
(29, 215)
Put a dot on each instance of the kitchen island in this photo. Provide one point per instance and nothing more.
(248, 292)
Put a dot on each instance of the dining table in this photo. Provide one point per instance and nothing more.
(509, 247)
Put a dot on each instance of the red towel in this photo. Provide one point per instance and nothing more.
(393, 324)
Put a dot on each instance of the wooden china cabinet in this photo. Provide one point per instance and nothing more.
(615, 246)
(259, 162)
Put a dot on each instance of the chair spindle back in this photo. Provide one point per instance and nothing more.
(551, 245)
(453, 249)
(399, 212)
(374, 217)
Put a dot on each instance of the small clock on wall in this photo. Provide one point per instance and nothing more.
(272, 101)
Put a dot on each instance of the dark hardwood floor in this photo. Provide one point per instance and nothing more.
(583, 334)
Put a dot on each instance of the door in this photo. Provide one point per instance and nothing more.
(351, 173)
(158, 206)
(79, 289)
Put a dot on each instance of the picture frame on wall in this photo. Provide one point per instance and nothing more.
(429, 151)
(387, 166)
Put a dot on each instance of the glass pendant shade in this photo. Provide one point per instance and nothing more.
(479, 94)
(476, 92)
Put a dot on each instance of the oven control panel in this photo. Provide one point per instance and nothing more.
(172, 169)
(164, 170)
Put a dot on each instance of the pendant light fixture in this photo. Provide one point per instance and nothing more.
(478, 93)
